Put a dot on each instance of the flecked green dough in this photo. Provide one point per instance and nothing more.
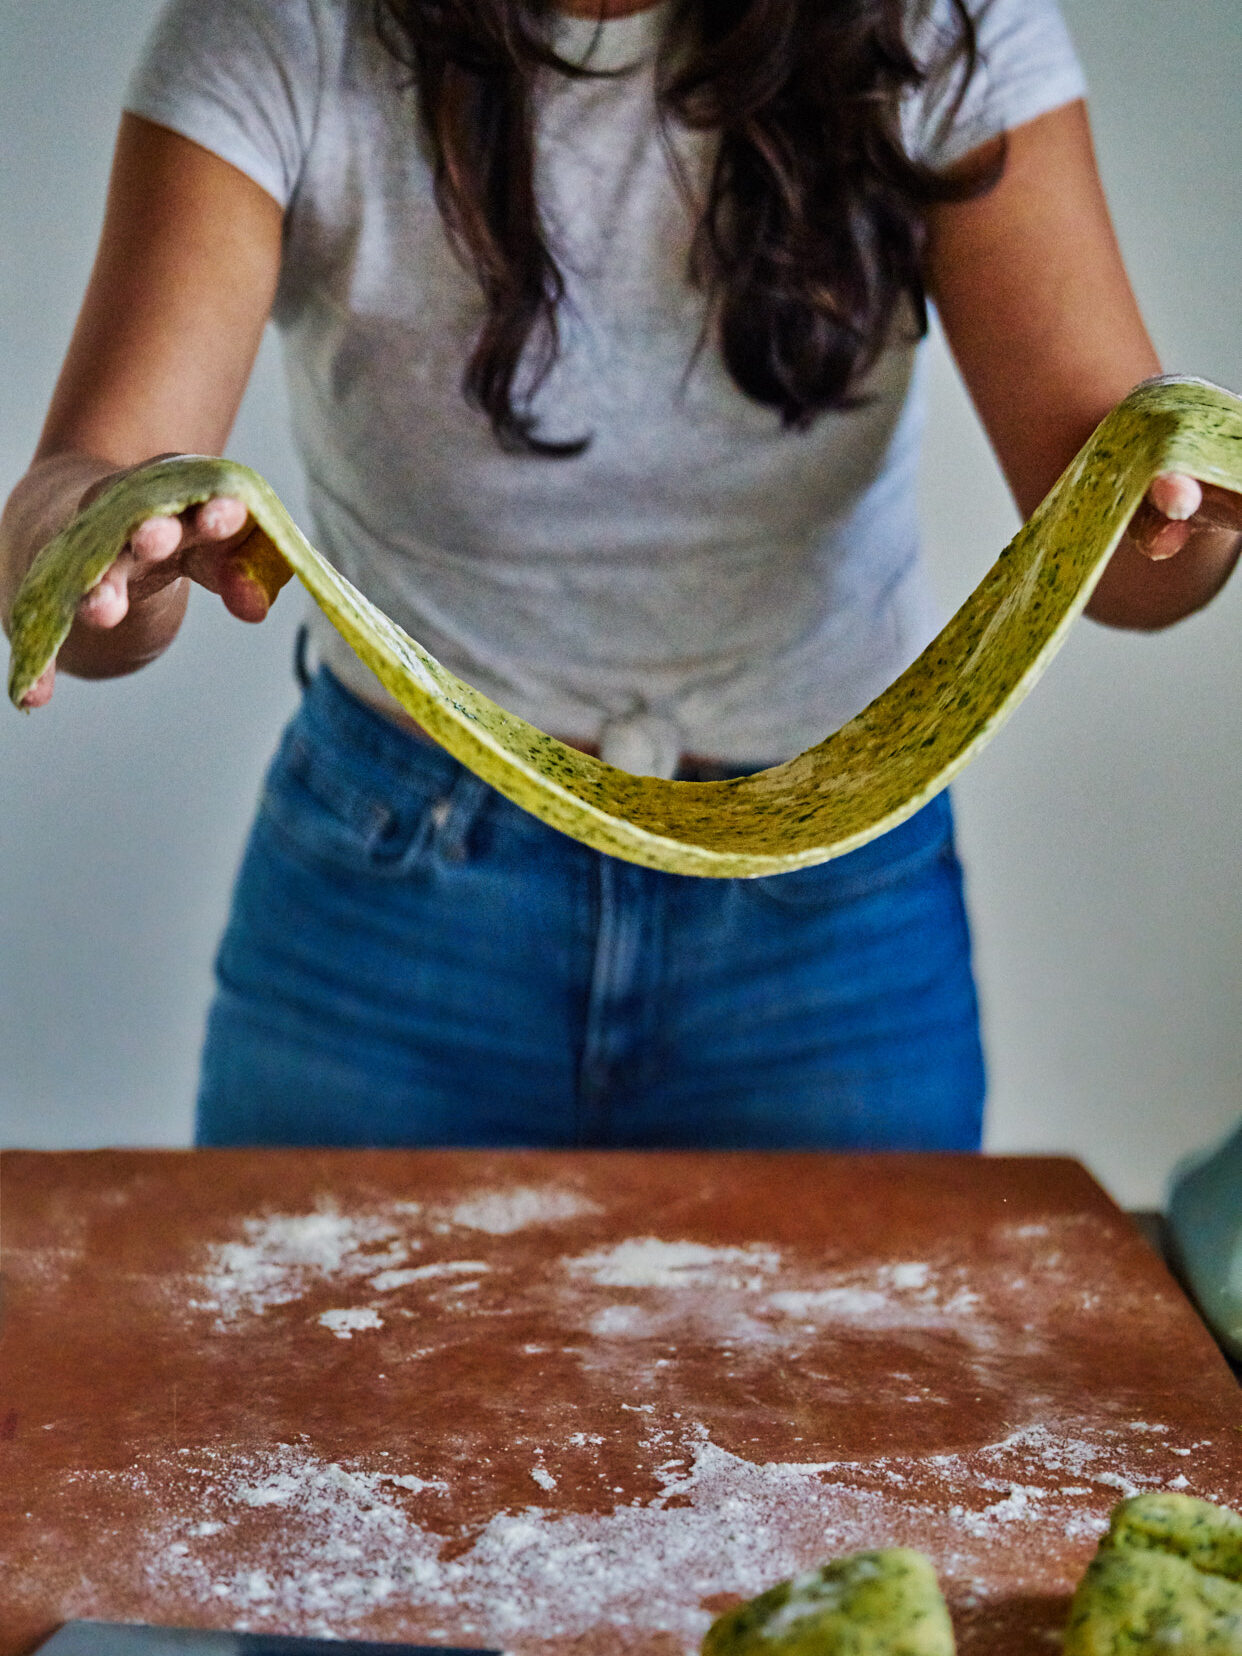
(1166, 1581)
(866, 778)
(870, 1604)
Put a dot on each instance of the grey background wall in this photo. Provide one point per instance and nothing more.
(1099, 830)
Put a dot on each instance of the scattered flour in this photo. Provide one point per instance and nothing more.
(730, 1296)
(502, 1212)
(407, 1480)
(350, 1545)
(285, 1256)
(346, 1323)
(744, 1297)
(912, 1274)
(875, 1306)
(619, 1321)
(277, 1491)
(386, 1281)
(648, 1262)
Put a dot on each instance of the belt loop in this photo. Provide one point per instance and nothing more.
(301, 666)
(456, 814)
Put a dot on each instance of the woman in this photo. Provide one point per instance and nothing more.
(600, 333)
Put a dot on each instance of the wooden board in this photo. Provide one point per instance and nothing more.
(573, 1404)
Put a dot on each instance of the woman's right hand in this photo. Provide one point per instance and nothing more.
(182, 287)
(197, 546)
(146, 585)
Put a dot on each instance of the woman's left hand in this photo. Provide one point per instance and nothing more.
(1176, 509)
(1035, 303)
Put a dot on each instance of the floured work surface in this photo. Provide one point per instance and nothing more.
(574, 1403)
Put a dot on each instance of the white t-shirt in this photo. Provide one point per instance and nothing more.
(700, 579)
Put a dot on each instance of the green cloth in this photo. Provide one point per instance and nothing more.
(1205, 1226)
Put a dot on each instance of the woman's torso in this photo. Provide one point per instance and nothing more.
(700, 578)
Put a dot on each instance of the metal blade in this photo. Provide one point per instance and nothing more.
(88, 1638)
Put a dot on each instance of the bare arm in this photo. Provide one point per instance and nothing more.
(1040, 316)
(181, 289)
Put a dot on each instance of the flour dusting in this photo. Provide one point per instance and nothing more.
(754, 1301)
(286, 1255)
(648, 1262)
(350, 1542)
(348, 1322)
(386, 1281)
(747, 1296)
(503, 1212)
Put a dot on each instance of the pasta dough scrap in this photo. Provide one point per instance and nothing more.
(866, 778)
(1166, 1581)
(883, 1603)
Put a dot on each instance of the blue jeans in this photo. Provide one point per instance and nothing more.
(412, 960)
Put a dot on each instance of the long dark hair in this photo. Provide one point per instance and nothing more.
(812, 231)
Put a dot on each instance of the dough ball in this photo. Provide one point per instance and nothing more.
(869, 1604)
(1166, 1581)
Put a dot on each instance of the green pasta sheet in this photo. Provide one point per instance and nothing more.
(865, 778)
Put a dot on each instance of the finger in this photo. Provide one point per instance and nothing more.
(220, 569)
(40, 692)
(107, 603)
(1175, 496)
(243, 596)
(1164, 540)
(1154, 535)
(155, 539)
(217, 519)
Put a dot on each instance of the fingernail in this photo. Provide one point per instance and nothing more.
(1164, 546)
